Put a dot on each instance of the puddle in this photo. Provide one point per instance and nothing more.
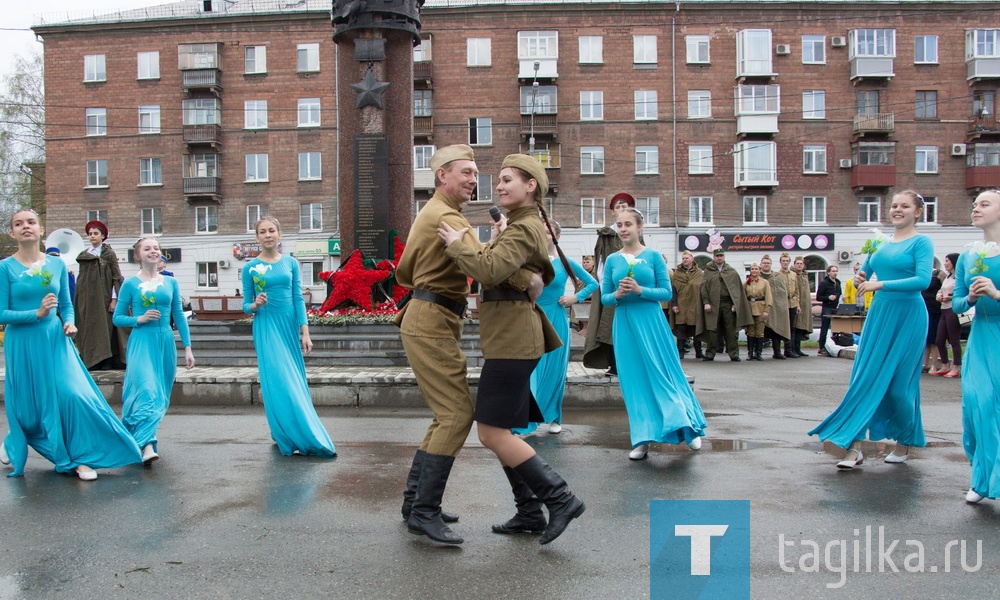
(869, 448)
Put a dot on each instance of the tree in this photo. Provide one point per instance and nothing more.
(22, 139)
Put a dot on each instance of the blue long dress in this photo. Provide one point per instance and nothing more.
(151, 354)
(294, 424)
(980, 378)
(660, 402)
(883, 395)
(548, 380)
(52, 403)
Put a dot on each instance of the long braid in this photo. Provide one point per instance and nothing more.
(555, 242)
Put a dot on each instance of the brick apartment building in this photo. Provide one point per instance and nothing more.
(783, 125)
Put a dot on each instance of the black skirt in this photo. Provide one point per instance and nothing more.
(504, 399)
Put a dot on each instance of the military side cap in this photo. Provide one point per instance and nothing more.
(532, 167)
(719, 252)
(449, 153)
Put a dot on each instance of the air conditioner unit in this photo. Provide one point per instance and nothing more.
(838, 41)
(845, 163)
(845, 256)
(782, 49)
(223, 264)
(958, 149)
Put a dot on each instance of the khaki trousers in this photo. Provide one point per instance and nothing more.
(441, 371)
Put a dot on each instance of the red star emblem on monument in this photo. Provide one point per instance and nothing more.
(353, 283)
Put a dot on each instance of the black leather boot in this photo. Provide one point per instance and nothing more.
(776, 346)
(554, 492)
(411, 489)
(529, 517)
(760, 348)
(697, 349)
(425, 514)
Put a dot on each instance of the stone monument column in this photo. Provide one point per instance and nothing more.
(375, 40)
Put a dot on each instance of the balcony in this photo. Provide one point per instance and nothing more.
(202, 187)
(874, 123)
(210, 135)
(983, 68)
(978, 179)
(423, 72)
(873, 176)
(202, 80)
(872, 67)
(546, 69)
(423, 179)
(547, 124)
(756, 124)
(982, 126)
(423, 127)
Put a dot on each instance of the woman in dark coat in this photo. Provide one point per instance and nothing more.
(100, 343)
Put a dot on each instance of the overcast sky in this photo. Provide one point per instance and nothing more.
(17, 16)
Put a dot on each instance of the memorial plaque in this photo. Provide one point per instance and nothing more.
(371, 195)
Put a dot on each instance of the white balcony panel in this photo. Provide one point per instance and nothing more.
(546, 68)
(423, 179)
(757, 124)
(981, 68)
(866, 66)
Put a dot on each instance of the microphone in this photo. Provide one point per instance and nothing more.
(495, 214)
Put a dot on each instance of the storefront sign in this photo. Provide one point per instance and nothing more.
(248, 250)
(759, 242)
(173, 255)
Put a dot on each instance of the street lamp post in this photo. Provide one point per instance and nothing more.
(534, 95)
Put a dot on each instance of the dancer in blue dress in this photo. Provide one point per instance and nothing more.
(660, 403)
(52, 403)
(151, 355)
(548, 380)
(977, 281)
(272, 292)
(883, 396)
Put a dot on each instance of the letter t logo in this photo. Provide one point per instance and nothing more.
(701, 544)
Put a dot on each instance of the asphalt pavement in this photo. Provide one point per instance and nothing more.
(223, 515)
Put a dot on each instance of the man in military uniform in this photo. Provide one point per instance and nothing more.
(803, 323)
(431, 326)
(778, 326)
(792, 283)
(685, 307)
(725, 304)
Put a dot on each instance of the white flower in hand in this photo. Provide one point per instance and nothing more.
(147, 287)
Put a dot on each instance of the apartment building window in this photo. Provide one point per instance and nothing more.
(98, 215)
(814, 49)
(149, 119)
(93, 68)
(983, 155)
(699, 104)
(255, 212)
(758, 99)
(647, 160)
(150, 172)
(753, 52)
(422, 51)
(255, 114)
(97, 173)
(423, 105)
(151, 221)
(926, 107)
(755, 210)
(202, 111)
(201, 165)
(591, 106)
(697, 49)
(930, 209)
(422, 157)
(869, 210)
(925, 49)
(813, 104)
(478, 52)
(700, 210)
(814, 210)
(208, 274)
(255, 60)
(875, 154)
(927, 159)
(198, 56)
(645, 105)
(592, 160)
(544, 98)
(97, 121)
(982, 43)
(699, 160)
(206, 219)
(591, 49)
(592, 212)
(480, 131)
(537, 44)
(644, 49)
(311, 216)
(310, 166)
(984, 103)
(308, 112)
(874, 42)
(308, 58)
(650, 208)
(484, 189)
(868, 103)
(149, 65)
(756, 163)
(813, 159)
(309, 272)
(256, 168)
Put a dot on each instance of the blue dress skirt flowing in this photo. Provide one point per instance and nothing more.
(548, 380)
(294, 424)
(151, 355)
(51, 401)
(981, 378)
(660, 403)
(883, 395)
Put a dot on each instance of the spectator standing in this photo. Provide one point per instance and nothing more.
(828, 292)
(932, 358)
(949, 329)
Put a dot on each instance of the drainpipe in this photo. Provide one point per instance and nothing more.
(673, 118)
